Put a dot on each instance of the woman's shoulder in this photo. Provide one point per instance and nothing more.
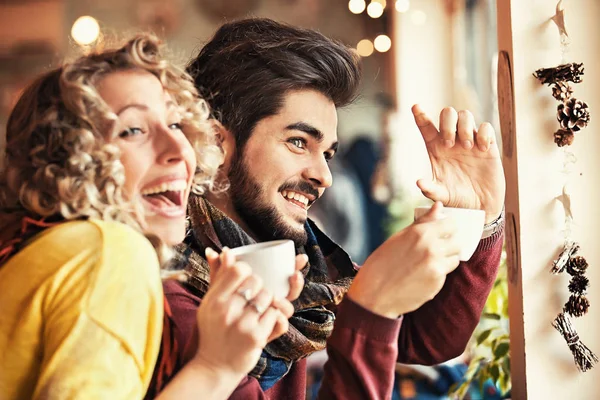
(92, 229)
(91, 242)
(94, 234)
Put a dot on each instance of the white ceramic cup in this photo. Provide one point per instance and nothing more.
(469, 227)
(274, 262)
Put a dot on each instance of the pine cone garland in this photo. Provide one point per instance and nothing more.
(563, 137)
(565, 72)
(573, 114)
(577, 266)
(562, 91)
(578, 284)
(577, 306)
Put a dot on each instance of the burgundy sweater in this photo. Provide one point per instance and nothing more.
(364, 347)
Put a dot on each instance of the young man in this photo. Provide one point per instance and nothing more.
(274, 90)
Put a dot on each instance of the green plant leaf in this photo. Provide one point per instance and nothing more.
(483, 336)
(495, 373)
(493, 316)
(504, 385)
(503, 338)
(459, 390)
(501, 350)
(506, 365)
(472, 369)
(483, 376)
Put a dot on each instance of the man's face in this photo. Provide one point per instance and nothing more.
(283, 168)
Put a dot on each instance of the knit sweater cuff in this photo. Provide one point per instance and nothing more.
(352, 316)
(491, 241)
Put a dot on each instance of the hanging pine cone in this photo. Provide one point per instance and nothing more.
(578, 284)
(577, 305)
(577, 266)
(563, 137)
(562, 91)
(573, 114)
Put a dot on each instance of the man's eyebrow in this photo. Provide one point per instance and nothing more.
(308, 129)
(312, 131)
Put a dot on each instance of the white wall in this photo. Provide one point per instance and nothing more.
(424, 62)
(550, 372)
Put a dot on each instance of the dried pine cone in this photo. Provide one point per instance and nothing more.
(578, 284)
(562, 91)
(577, 266)
(577, 306)
(573, 114)
(563, 137)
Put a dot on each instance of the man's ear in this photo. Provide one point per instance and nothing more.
(225, 141)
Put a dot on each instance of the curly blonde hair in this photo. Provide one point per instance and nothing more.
(59, 158)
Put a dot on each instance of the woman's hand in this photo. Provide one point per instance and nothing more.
(238, 317)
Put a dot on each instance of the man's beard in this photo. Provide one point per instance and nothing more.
(249, 201)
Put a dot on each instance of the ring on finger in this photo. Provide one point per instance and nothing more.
(245, 293)
(260, 310)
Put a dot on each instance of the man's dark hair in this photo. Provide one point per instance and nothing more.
(247, 68)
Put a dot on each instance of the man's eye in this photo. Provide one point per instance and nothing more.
(176, 126)
(298, 142)
(130, 132)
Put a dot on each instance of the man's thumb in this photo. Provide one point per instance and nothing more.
(434, 213)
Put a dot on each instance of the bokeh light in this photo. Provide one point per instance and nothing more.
(85, 30)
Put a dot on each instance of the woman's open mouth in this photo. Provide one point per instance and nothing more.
(167, 198)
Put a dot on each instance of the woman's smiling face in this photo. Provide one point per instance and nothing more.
(158, 158)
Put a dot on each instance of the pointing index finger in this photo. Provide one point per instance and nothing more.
(425, 124)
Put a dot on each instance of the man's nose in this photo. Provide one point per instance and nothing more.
(318, 173)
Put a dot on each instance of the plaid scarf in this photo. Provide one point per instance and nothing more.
(327, 278)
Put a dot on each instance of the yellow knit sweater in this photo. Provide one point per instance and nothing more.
(81, 311)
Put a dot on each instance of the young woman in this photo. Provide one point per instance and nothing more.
(101, 156)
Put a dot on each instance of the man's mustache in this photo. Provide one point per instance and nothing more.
(301, 187)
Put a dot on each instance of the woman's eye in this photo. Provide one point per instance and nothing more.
(298, 142)
(130, 132)
(176, 126)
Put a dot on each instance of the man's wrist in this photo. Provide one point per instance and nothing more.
(370, 303)
(494, 226)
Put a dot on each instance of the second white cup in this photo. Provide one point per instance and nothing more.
(469, 227)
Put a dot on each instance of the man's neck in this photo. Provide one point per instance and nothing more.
(224, 204)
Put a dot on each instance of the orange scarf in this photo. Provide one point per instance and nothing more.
(16, 230)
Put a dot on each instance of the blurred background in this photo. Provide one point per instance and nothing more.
(435, 53)
(432, 52)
